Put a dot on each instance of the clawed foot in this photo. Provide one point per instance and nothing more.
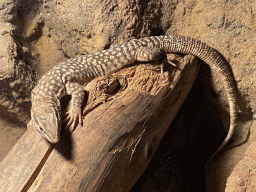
(171, 61)
(159, 67)
(72, 118)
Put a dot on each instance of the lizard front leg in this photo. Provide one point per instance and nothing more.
(74, 115)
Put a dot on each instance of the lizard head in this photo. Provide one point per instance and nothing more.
(47, 121)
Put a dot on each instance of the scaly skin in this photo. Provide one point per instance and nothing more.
(68, 77)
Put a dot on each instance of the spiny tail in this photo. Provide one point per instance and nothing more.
(216, 61)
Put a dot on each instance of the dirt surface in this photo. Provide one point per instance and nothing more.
(36, 35)
(243, 177)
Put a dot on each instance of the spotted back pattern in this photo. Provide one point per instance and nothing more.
(68, 76)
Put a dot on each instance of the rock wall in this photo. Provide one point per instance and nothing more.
(36, 35)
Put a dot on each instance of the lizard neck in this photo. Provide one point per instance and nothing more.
(46, 100)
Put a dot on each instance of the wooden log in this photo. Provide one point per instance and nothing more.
(126, 116)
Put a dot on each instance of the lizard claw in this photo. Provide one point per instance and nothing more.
(72, 118)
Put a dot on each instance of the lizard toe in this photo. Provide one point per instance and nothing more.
(72, 118)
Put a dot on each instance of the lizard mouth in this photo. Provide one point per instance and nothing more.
(53, 140)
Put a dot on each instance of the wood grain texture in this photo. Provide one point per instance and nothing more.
(126, 116)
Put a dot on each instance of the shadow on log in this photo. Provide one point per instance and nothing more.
(125, 117)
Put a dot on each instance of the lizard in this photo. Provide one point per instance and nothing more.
(67, 78)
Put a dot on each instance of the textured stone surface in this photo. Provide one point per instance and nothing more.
(36, 35)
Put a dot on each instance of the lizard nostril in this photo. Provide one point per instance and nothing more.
(41, 129)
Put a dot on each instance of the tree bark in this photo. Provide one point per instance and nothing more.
(125, 117)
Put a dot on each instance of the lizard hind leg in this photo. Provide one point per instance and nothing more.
(152, 54)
